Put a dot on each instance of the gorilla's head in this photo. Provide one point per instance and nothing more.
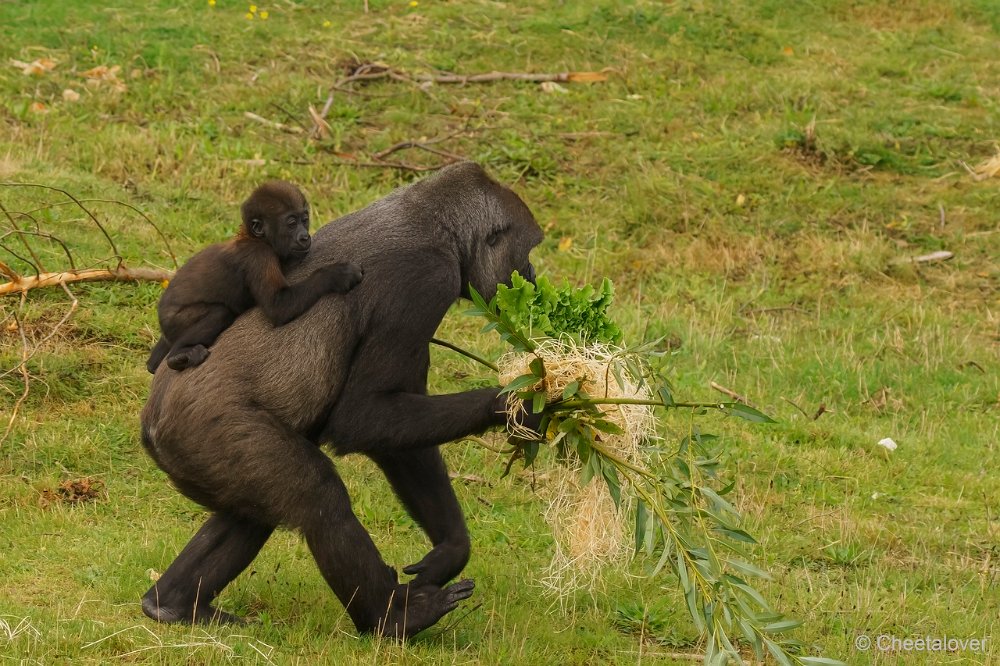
(494, 229)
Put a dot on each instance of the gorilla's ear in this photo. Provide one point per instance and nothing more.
(256, 227)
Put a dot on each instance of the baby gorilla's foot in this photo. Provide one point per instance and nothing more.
(188, 358)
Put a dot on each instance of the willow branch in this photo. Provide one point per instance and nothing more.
(463, 352)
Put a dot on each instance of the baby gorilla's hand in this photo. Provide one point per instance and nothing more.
(341, 278)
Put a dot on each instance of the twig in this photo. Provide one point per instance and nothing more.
(25, 377)
(731, 393)
(290, 116)
(121, 273)
(392, 165)
(47, 236)
(149, 221)
(272, 123)
(74, 303)
(14, 229)
(486, 445)
(463, 352)
(111, 242)
(804, 413)
(490, 77)
(404, 145)
(370, 71)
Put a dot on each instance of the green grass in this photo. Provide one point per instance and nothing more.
(748, 175)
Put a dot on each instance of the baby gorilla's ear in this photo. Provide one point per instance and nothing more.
(256, 227)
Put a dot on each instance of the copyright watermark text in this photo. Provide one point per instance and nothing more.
(890, 643)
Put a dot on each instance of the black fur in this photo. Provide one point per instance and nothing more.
(240, 433)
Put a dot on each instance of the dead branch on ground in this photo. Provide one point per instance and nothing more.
(25, 247)
(365, 72)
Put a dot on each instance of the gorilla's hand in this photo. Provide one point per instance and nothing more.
(524, 417)
(445, 561)
(341, 278)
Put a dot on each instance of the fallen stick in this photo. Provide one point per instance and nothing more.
(119, 274)
(489, 77)
(731, 393)
(272, 123)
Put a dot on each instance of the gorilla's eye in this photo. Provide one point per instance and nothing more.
(492, 239)
(292, 220)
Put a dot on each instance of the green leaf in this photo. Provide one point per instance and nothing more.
(736, 534)
(748, 569)
(570, 390)
(538, 402)
(522, 382)
(746, 412)
(530, 452)
(640, 524)
(614, 485)
(782, 626)
(778, 653)
(821, 661)
(752, 638)
(607, 426)
(537, 367)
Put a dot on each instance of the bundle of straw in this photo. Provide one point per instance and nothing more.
(588, 526)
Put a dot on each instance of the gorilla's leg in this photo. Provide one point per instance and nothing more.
(190, 345)
(421, 482)
(221, 549)
(157, 354)
(354, 569)
(268, 475)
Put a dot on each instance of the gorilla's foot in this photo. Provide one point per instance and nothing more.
(417, 608)
(205, 614)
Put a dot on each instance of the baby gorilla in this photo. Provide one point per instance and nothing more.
(224, 280)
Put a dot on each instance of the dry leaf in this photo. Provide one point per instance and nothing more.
(585, 77)
(70, 95)
(987, 169)
(322, 128)
(102, 74)
(552, 87)
(38, 107)
(35, 67)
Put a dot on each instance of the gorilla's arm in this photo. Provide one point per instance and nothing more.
(400, 421)
(384, 404)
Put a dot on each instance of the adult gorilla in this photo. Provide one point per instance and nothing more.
(240, 433)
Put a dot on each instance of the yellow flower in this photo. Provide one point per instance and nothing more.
(414, 3)
(165, 283)
(249, 16)
(211, 3)
(327, 24)
(264, 15)
(253, 9)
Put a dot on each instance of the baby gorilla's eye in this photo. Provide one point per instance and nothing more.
(292, 220)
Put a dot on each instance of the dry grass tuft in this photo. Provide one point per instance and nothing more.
(588, 528)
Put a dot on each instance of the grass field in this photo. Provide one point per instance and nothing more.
(754, 177)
